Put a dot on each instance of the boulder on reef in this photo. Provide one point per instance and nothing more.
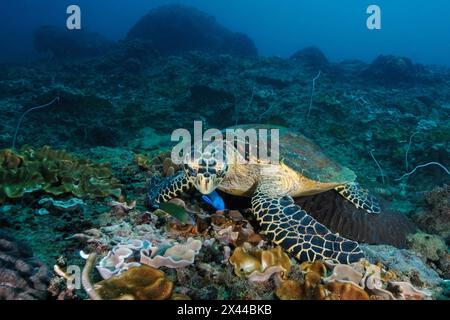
(64, 43)
(435, 218)
(311, 57)
(176, 29)
(393, 69)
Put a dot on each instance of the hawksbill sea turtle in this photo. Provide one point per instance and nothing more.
(303, 169)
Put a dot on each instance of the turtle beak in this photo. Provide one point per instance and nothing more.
(206, 185)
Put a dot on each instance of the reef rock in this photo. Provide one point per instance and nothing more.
(405, 262)
(436, 218)
(22, 277)
(433, 250)
(392, 69)
(311, 57)
(176, 29)
(430, 247)
(70, 205)
(148, 139)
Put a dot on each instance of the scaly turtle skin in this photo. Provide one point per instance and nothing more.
(303, 170)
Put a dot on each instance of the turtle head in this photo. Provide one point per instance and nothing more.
(206, 167)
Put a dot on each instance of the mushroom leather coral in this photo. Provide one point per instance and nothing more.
(357, 281)
(257, 264)
(137, 283)
(230, 227)
(175, 256)
(311, 288)
(54, 172)
(346, 291)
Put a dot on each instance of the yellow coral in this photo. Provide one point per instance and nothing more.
(290, 290)
(257, 264)
(316, 267)
(137, 283)
(346, 291)
(55, 172)
(311, 288)
(9, 159)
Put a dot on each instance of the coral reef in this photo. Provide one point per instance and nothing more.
(430, 247)
(148, 140)
(73, 204)
(392, 69)
(311, 57)
(358, 281)
(405, 262)
(22, 277)
(53, 172)
(193, 30)
(109, 107)
(436, 217)
(433, 250)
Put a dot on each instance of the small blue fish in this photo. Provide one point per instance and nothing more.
(215, 200)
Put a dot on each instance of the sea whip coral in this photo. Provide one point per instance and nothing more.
(23, 116)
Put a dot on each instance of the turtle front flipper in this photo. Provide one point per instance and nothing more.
(360, 197)
(290, 227)
(163, 189)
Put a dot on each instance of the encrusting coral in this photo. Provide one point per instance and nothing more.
(436, 217)
(430, 247)
(54, 172)
(433, 250)
(259, 265)
(70, 205)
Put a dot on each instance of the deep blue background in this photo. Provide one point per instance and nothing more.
(419, 29)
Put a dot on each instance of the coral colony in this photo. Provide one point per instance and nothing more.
(116, 185)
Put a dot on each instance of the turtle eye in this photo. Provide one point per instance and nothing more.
(190, 171)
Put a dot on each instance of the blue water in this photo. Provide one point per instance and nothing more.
(414, 28)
